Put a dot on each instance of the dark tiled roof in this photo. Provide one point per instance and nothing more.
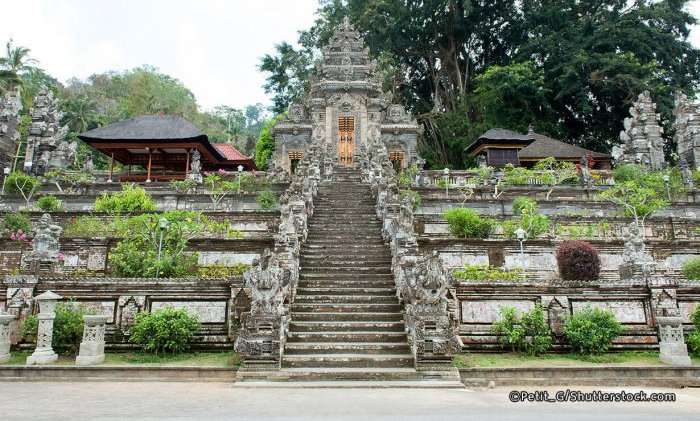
(146, 127)
(504, 134)
(544, 147)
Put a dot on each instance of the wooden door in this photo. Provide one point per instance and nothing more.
(346, 139)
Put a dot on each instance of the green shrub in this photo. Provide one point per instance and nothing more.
(13, 222)
(267, 199)
(486, 273)
(528, 218)
(467, 223)
(691, 268)
(592, 330)
(529, 333)
(693, 339)
(136, 255)
(67, 327)
(183, 186)
(88, 226)
(221, 271)
(628, 172)
(167, 330)
(49, 203)
(407, 176)
(131, 199)
(20, 183)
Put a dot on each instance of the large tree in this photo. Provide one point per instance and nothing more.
(572, 66)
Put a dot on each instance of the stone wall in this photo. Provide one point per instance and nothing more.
(121, 299)
(480, 302)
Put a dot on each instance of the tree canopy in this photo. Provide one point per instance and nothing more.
(570, 67)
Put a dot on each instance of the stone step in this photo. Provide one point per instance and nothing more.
(301, 348)
(303, 291)
(318, 259)
(354, 336)
(347, 360)
(340, 270)
(345, 275)
(347, 317)
(333, 284)
(347, 307)
(348, 326)
(353, 376)
(345, 299)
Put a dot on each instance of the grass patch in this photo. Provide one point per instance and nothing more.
(197, 359)
(626, 358)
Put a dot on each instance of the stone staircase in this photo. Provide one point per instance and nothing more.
(346, 321)
(346, 314)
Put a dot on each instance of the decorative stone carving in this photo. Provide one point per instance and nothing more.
(195, 173)
(45, 252)
(44, 353)
(642, 139)
(128, 308)
(585, 173)
(45, 144)
(672, 347)
(687, 130)
(92, 347)
(558, 309)
(686, 173)
(10, 107)
(5, 326)
(636, 263)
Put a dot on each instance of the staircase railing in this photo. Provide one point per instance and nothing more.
(423, 285)
(271, 283)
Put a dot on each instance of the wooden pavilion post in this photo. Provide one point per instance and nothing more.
(111, 168)
(187, 164)
(150, 159)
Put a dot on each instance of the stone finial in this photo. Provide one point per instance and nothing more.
(642, 139)
(687, 130)
(44, 353)
(5, 324)
(10, 107)
(92, 347)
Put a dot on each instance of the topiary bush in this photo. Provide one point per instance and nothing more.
(592, 330)
(167, 330)
(67, 327)
(691, 268)
(466, 223)
(578, 260)
(48, 203)
(131, 199)
(528, 333)
(526, 216)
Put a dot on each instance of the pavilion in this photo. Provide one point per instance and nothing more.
(502, 146)
(163, 145)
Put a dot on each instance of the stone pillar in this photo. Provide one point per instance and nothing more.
(44, 353)
(5, 320)
(672, 347)
(92, 347)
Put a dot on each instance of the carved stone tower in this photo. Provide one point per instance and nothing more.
(642, 139)
(46, 146)
(10, 106)
(687, 127)
(345, 110)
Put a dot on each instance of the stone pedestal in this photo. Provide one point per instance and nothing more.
(5, 320)
(672, 347)
(92, 347)
(44, 353)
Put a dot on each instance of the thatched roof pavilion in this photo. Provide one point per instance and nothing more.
(163, 145)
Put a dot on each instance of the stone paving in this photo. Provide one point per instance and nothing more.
(219, 401)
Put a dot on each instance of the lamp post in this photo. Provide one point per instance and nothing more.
(520, 234)
(162, 227)
(446, 174)
(667, 180)
(6, 172)
(240, 172)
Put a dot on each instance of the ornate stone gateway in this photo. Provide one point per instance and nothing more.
(345, 110)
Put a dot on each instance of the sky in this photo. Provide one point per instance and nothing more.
(212, 46)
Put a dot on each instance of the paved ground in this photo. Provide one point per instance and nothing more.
(215, 401)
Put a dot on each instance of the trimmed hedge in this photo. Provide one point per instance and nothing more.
(578, 261)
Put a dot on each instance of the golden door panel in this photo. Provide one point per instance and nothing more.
(346, 139)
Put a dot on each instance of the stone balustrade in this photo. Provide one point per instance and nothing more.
(92, 347)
